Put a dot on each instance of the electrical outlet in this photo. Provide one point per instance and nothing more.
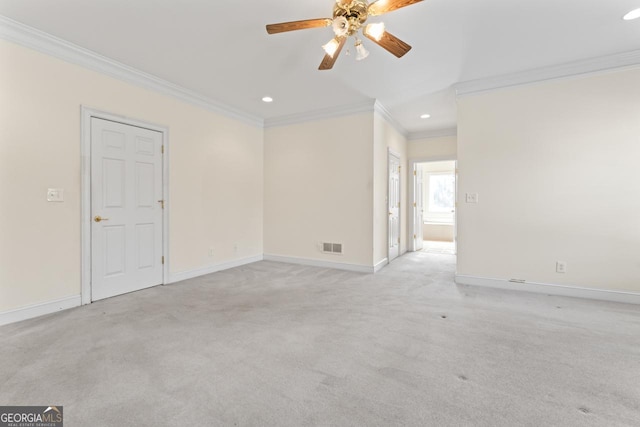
(561, 267)
(55, 195)
(471, 197)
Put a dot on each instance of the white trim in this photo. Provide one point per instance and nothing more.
(190, 274)
(36, 310)
(166, 212)
(358, 268)
(380, 265)
(384, 113)
(86, 114)
(85, 206)
(411, 204)
(40, 41)
(601, 64)
(321, 114)
(551, 289)
(435, 133)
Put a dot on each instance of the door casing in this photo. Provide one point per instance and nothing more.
(412, 186)
(85, 192)
(417, 207)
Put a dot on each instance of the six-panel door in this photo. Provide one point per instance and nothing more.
(126, 208)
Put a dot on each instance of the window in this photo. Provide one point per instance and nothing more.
(441, 197)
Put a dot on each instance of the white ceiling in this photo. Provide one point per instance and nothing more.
(221, 50)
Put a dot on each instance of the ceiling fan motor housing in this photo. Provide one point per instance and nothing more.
(355, 12)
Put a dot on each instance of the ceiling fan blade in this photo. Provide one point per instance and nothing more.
(328, 60)
(385, 6)
(298, 25)
(391, 43)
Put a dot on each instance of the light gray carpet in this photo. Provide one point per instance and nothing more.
(284, 345)
(435, 247)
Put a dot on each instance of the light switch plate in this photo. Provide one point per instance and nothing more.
(472, 198)
(55, 195)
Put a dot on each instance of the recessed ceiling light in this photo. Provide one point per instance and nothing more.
(267, 99)
(634, 14)
(425, 116)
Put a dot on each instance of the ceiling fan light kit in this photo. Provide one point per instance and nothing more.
(349, 17)
(361, 52)
(331, 47)
(375, 30)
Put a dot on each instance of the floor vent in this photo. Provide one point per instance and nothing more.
(332, 248)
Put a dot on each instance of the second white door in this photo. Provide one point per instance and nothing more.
(126, 208)
(394, 206)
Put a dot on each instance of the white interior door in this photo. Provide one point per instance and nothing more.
(418, 216)
(394, 206)
(126, 208)
(455, 210)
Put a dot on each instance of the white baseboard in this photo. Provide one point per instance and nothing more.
(358, 268)
(190, 274)
(551, 289)
(37, 310)
(380, 265)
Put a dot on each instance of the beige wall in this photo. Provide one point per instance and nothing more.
(318, 186)
(432, 148)
(555, 166)
(387, 137)
(437, 232)
(215, 175)
(327, 181)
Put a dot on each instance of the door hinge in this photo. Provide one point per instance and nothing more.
(415, 173)
(161, 203)
(398, 204)
(163, 259)
(162, 149)
(398, 240)
(415, 205)
(415, 237)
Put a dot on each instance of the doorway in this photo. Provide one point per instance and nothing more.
(434, 219)
(124, 206)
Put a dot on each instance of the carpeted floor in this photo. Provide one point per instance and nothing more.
(284, 345)
(435, 247)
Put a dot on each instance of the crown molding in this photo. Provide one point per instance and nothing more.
(380, 109)
(435, 133)
(368, 106)
(40, 41)
(324, 113)
(601, 64)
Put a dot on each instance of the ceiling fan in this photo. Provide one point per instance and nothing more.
(349, 16)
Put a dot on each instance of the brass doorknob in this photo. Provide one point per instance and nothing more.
(98, 218)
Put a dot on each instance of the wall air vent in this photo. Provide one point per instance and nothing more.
(332, 248)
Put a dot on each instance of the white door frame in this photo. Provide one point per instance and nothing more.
(85, 192)
(390, 153)
(412, 166)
